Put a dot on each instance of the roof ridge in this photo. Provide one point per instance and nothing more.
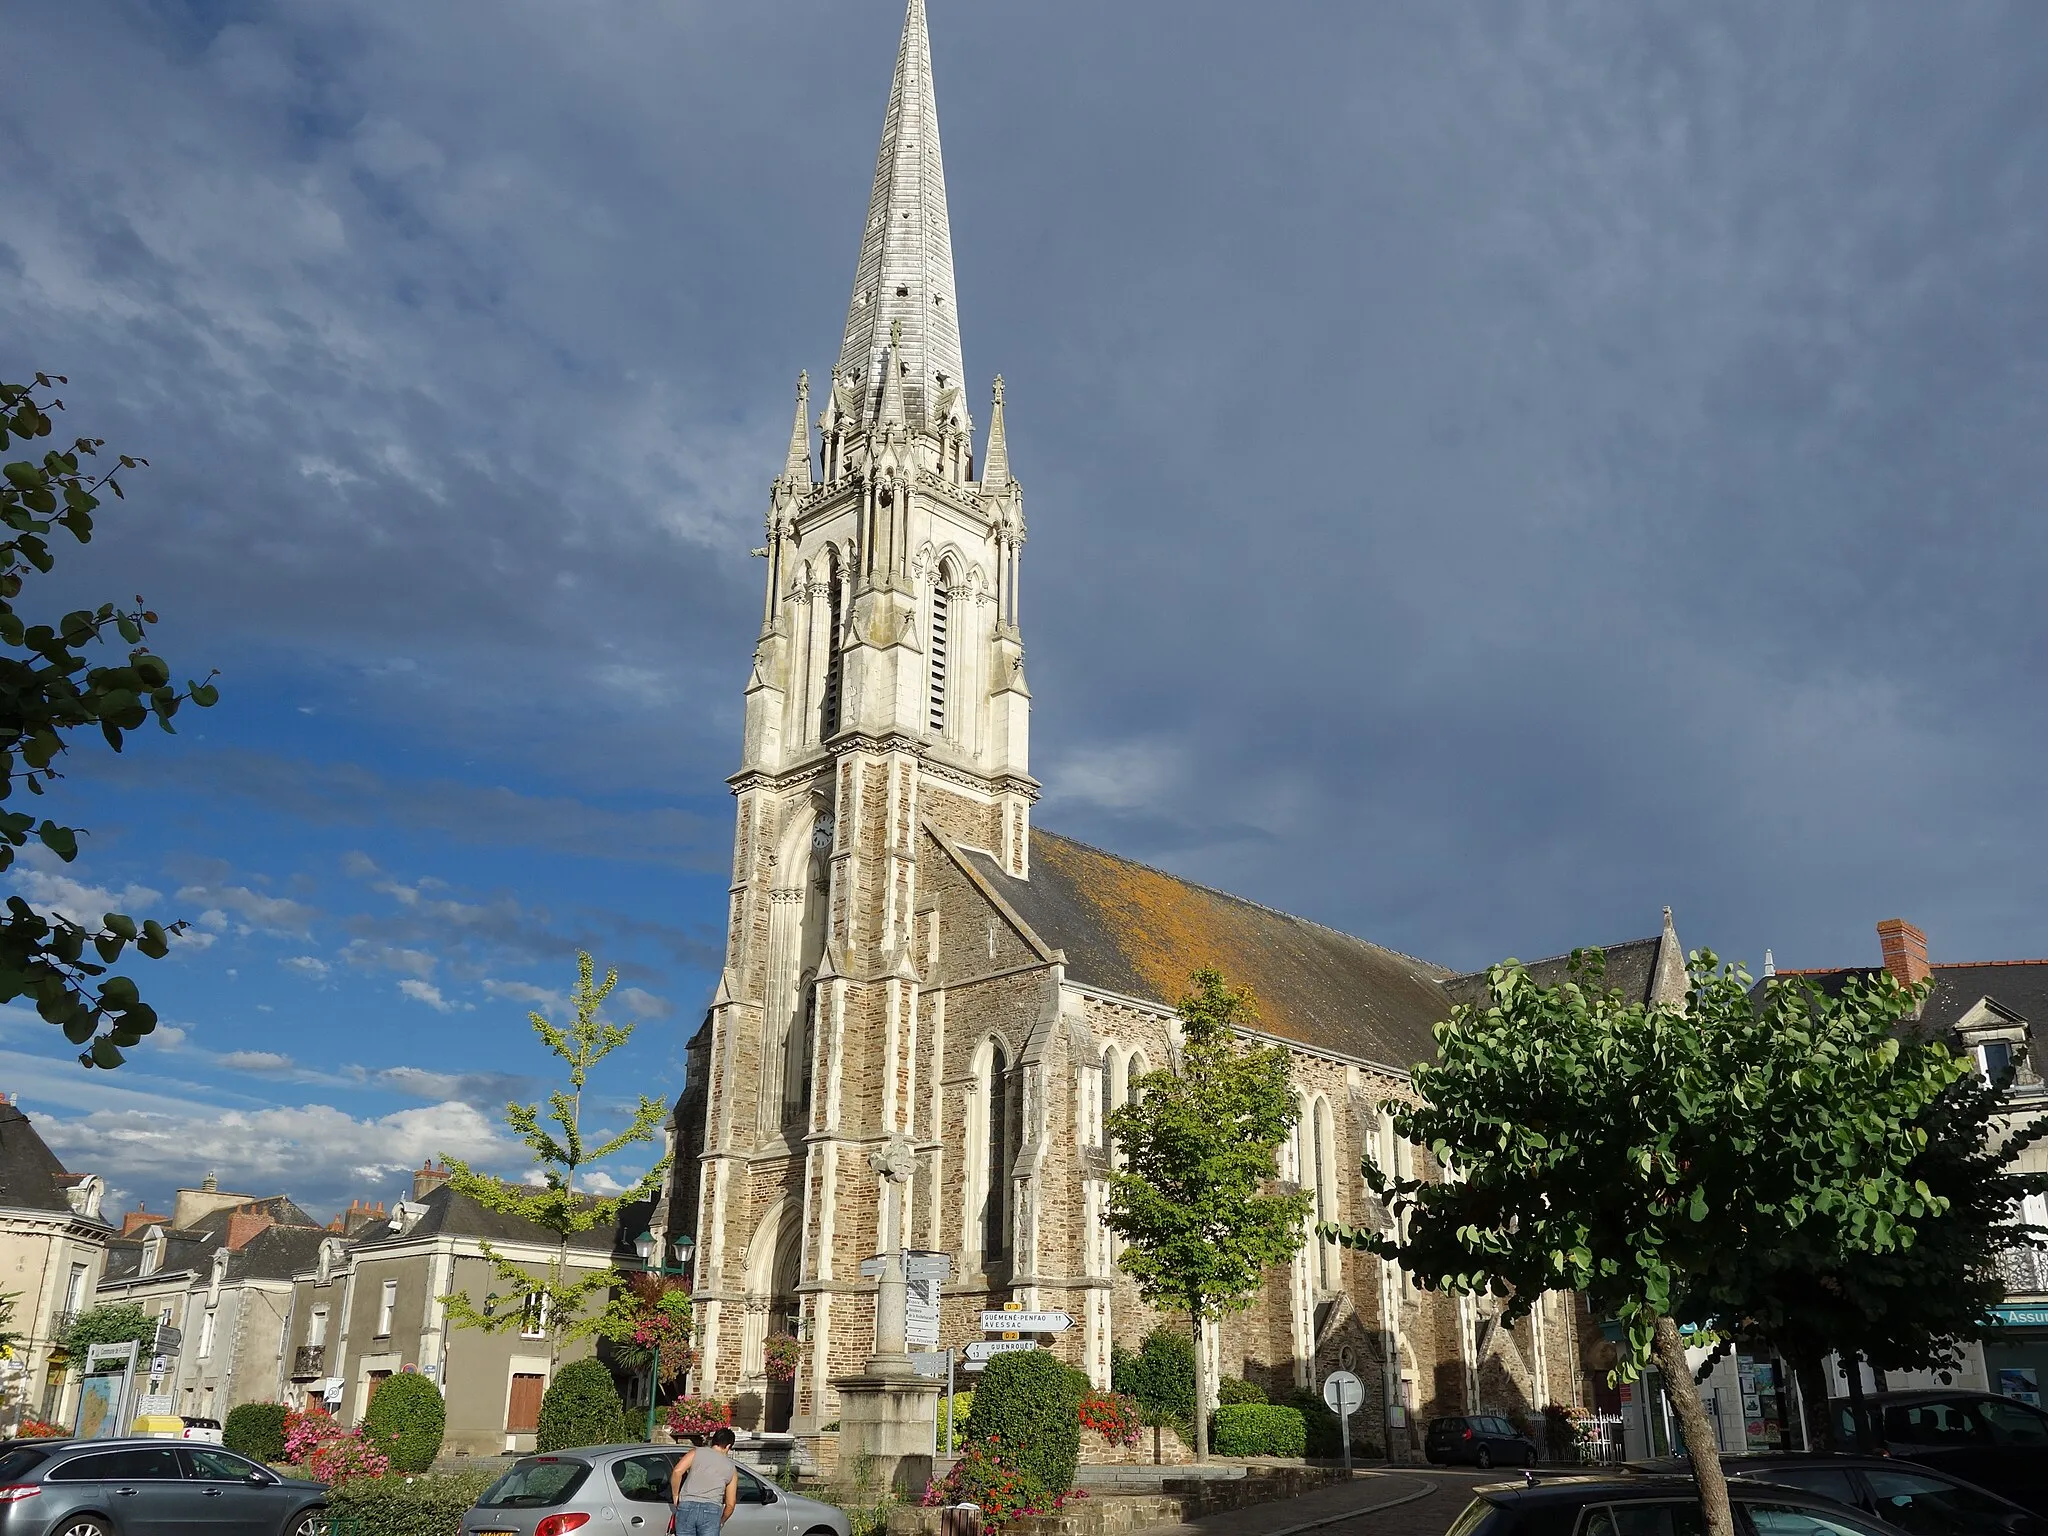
(1654, 938)
(1971, 965)
(1212, 890)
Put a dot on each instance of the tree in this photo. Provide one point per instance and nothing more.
(1190, 1197)
(406, 1420)
(119, 1323)
(552, 1301)
(1908, 1308)
(48, 689)
(1641, 1153)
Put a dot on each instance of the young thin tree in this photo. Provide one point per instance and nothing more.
(1641, 1153)
(49, 688)
(1194, 1198)
(553, 1301)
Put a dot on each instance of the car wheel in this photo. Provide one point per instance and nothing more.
(86, 1526)
(1484, 1459)
(312, 1523)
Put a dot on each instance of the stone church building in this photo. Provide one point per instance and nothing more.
(913, 967)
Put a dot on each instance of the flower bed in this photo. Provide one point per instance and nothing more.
(697, 1416)
(317, 1447)
(1111, 1415)
(987, 1475)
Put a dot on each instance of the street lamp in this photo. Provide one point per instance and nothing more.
(648, 1246)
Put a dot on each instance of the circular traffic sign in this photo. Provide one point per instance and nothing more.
(1344, 1392)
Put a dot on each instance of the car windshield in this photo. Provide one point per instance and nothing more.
(2012, 1423)
(1920, 1501)
(538, 1484)
(1469, 1523)
(1828, 1482)
(1671, 1517)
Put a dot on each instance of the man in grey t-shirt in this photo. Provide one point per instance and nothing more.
(705, 1486)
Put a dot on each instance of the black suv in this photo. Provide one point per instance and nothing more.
(1992, 1441)
(1916, 1499)
(1651, 1506)
(119, 1487)
(1479, 1440)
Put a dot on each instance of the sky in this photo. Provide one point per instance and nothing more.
(1494, 471)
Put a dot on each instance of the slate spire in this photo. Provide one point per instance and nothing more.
(905, 273)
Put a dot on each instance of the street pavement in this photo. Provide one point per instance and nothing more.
(1403, 1501)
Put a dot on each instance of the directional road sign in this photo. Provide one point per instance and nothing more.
(985, 1349)
(1344, 1392)
(1025, 1322)
(921, 1265)
(928, 1362)
(168, 1339)
(921, 1314)
(876, 1267)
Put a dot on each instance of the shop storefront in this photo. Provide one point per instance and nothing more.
(1749, 1397)
(2016, 1355)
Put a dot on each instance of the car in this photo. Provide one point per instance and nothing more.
(118, 1487)
(624, 1489)
(1650, 1505)
(1482, 1439)
(207, 1431)
(1995, 1442)
(1914, 1498)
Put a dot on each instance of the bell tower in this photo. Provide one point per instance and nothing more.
(887, 693)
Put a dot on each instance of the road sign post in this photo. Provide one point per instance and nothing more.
(1344, 1393)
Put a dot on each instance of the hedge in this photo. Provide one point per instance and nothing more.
(1160, 1375)
(963, 1405)
(406, 1421)
(1325, 1434)
(256, 1430)
(581, 1407)
(1231, 1390)
(1031, 1403)
(1257, 1429)
(408, 1506)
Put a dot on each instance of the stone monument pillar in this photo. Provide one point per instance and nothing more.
(887, 1413)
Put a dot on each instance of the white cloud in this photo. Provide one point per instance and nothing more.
(260, 912)
(492, 1088)
(390, 957)
(39, 878)
(255, 1061)
(643, 1004)
(426, 992)
(307, 965)
(544, 999)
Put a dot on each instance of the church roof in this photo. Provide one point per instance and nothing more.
(1648, 970)
(905, 272)
(1139, 931)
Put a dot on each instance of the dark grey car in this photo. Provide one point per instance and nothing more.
(149, 1488)
(623, 1489)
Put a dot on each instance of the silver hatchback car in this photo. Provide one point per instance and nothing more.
(622, 1490)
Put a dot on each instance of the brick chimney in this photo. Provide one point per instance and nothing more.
(1905, 951)
(245, 1224)
(427, 1178)
(142, 1216)
(362, 1215)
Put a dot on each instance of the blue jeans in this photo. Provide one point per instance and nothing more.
(696, 1518)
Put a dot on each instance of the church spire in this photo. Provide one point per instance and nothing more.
(995, 464)
(905, 273)
(796, 470)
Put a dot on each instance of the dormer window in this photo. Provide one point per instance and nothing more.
(153, 1250)
(1994, 1060)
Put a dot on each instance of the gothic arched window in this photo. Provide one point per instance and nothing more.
(807, 1044)
(995, 1224)
(1324, 1173)
(940, 638)
(829, 715)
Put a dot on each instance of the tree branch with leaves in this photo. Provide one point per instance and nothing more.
(554, 1302)
(48, 689)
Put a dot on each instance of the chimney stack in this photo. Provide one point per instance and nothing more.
(245, 1224)
(427, 1178)
(1905, 951)
(142, 1216)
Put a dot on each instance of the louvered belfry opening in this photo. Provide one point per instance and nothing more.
(832, 616)
(940, 616)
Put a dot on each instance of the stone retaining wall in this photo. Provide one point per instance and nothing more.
(1178, 1500)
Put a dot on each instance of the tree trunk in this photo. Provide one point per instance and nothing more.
(1808, 1368)
(1852, 1367)
(1201, 1385)
(1697, 1429)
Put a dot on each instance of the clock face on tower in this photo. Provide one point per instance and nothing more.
(821, 839)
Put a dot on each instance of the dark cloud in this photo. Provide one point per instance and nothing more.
(1493, 469)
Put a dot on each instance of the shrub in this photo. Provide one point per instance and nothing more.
(119, 1323)
(406, 1421)
(963, 1405)
(1111, 1415)
(256, 1430)
(1257, 1429)
(1161, 1376)
(1325, 1433)
(581, 1407)
(327, 1453)
(1028, 1400)
(1230, 1390)
(408, 1506)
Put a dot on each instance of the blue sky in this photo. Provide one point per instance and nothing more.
(1494, 470)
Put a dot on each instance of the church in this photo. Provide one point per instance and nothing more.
(917, 979)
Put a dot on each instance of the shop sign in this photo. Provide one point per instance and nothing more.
(2021, 1317)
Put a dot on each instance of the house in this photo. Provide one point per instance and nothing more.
(368, 1306)
(219, 1269)
(53, 1248)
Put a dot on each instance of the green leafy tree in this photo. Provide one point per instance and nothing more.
(120, 1323)
(554, 1300)
(49, 687)
(1639, 1153)
(581, 1407)
(1910, 1307)
(1193, 1196)
(406, 1420)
